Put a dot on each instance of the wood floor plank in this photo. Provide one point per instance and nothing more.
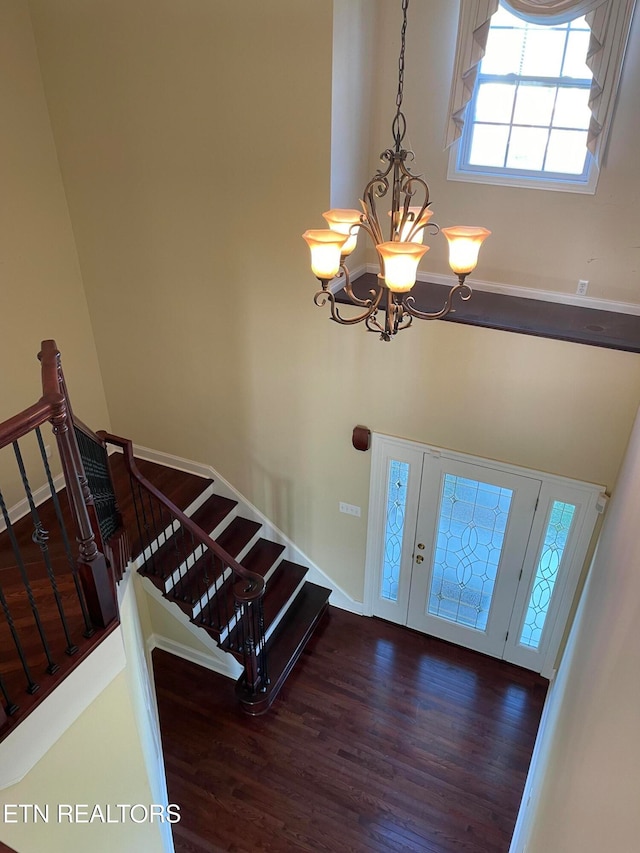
(381, 740)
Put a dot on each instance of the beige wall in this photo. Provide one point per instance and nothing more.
(42, 294)
(195, 141)
(582, 794)
(541, 239)
(84, 768)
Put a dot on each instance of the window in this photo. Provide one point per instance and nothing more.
(529, 114)
(533, 93)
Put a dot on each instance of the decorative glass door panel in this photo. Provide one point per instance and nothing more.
(473, 525)
(470, 535)
(548, 566)
(394, 528)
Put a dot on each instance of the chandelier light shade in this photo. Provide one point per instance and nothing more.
(400, 264)
(464, 246)
(326, 252)
(344, 222)
(389, 308)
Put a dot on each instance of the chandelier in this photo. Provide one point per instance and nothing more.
(389, 308)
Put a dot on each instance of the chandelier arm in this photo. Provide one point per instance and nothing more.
(363, 303)
(461, 287)
(322, 296)
(365, 225)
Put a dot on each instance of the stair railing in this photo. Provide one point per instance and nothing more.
(92, 579)
(223, 595)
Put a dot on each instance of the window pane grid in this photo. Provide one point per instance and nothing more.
(531, 74)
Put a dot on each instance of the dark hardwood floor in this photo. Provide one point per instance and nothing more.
(382, 740)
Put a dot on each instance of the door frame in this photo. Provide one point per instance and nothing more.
(385, 447)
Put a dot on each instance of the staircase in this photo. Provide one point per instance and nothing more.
(263, 615)
(62, 554)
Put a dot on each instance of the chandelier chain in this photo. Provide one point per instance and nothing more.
(399, 124)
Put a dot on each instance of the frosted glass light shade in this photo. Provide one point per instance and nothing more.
(401, 264)
(414, 213)
(326, 248)
(344, 221)
(464, 245)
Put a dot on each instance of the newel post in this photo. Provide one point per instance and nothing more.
(247, 599)
(95, 575)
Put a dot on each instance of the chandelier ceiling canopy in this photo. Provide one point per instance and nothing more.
(389, 307)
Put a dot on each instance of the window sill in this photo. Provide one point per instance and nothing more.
(572, 323)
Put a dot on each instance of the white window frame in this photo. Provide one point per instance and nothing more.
(460, 170)
(610, 22)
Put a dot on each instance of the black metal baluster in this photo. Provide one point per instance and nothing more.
(180, 551)
(41, 537)
(9, 705)
(32, 686)
(239, 629)
(204, 584)
(225, 596)
(261, 639)
(89, 628)
(137, 512)
(145, 524)
(51, 666)
(95, 460)
(157, 530)
(181, 583)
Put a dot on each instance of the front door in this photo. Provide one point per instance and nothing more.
(471, 540)
(474, 552)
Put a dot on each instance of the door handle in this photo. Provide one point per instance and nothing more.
(419, 558)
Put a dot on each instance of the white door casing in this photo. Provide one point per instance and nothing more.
(537, 548)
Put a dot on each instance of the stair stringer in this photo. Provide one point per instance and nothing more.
(214, 658)
(339, 598)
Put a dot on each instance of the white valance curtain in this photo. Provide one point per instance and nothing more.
(609, 21)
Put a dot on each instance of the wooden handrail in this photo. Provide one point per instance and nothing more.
(251, 585)
(51, 400)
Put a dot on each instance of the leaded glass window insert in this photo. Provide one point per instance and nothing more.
(553, 549)
(470, 534)
(396, 508)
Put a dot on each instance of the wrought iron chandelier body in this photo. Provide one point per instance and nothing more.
(398, 257)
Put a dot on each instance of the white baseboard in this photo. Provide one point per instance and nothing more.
(40, 495)
(339, 598)
(527, 292)
(214, 658)
(155, 641)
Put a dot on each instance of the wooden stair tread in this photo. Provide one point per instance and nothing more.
(214, 510)
(287, 644)
(238, 534)
(280, 588)
(262, 556)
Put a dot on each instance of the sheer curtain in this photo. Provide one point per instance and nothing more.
(609, 20)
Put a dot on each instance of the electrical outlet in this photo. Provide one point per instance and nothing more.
(349, 509)
(582, 287)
